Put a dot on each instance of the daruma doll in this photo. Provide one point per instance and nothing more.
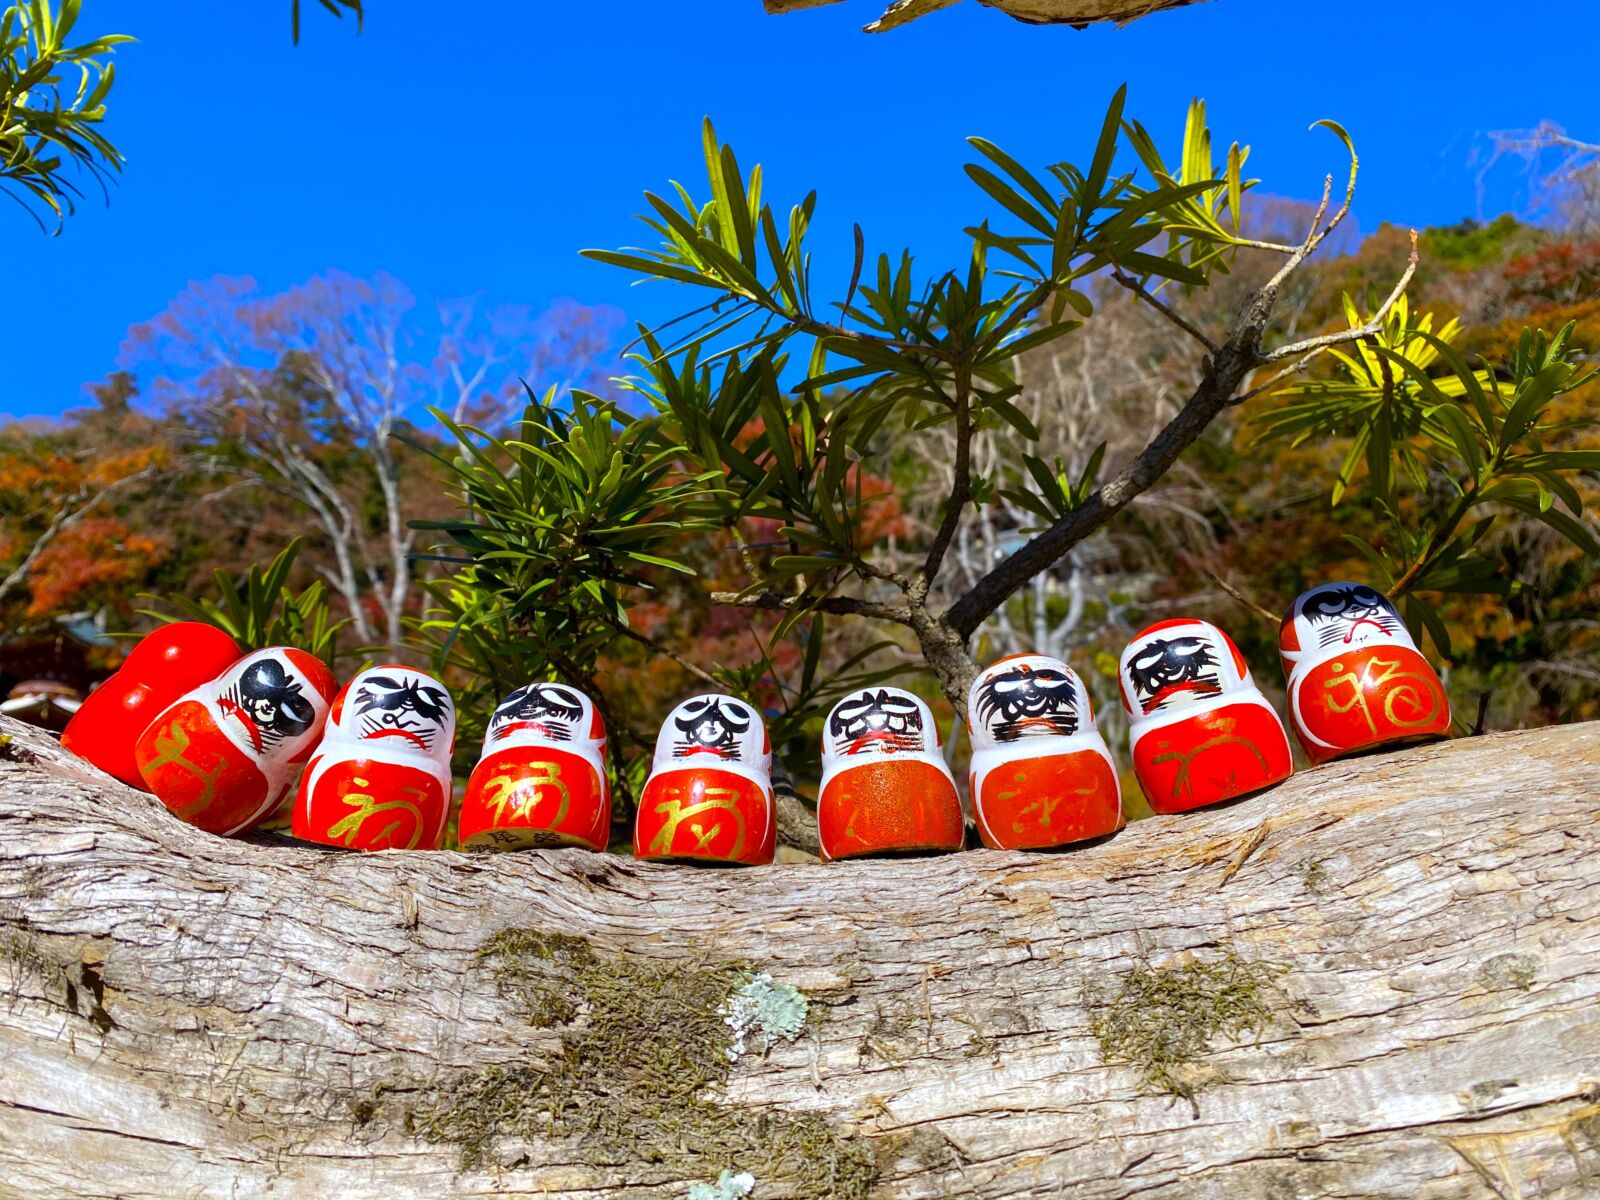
(224, 756)
(542, 778)
(886, 787)
(1356, 679)
(1199, 729)
(380, 780)
(709, 796)
(1042, 775)
(161, 669)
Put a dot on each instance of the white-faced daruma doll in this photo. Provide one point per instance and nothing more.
(1042, 775)
(709, 796)
(1356, 679)
(886, 787)
(225, 755)
(1199, 729)
(381, 778)
(542, 778)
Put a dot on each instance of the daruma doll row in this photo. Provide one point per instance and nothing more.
(221, 738)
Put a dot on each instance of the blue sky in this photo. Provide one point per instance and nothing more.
(476, 148)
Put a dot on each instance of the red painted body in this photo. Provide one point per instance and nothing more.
(708, 815)
(199, 772)
(535, 796)
(164, 666)
(889, 807)
(1212, 757)
(369, 804)
(206, 757)
(1049, 801)
(1367, 697)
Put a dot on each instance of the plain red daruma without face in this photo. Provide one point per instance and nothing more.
(1356, 679)
(224, 756)
(886, 788)
(709, 795)
(1199, 729)
(159, 671)
(380, 780)
(542, 778)
(1042, 776)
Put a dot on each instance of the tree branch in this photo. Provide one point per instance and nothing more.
(1225, 371)
(1166, 310)
(65, 516)
(655, 647)
(837, 605)
(960, 488)
(1371, 329)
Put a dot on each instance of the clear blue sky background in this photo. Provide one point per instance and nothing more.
(475, 148)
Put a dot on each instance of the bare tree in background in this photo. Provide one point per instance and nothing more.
(302, 392)
(1564, 172)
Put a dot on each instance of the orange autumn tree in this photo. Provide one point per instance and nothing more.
(69, 540)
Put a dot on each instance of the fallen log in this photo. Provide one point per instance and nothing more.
(1379, 979)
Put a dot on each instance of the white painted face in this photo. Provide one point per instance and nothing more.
(549, 713)
(711, 729)
(277, 698)
(1178, 664)
(1027, 696)
(1340, 616)
(879, 722)
(401, 707)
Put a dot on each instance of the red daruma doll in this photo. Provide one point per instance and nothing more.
(380, 780)
(1042, 775)
(709, 795)
(1200, 731)
(224, 756)
(886, 787)
(1356, 679)
(542, 779)
(158, 672)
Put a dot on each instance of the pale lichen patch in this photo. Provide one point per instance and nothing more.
(727, 1187)
(761, 1013)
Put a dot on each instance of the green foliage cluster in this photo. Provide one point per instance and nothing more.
(1439, 448)
(52, 101)
(570, 523)
(1471, 244)
(261, 609)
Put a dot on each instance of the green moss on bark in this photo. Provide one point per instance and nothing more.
(635, 1083)
(1163, 1020)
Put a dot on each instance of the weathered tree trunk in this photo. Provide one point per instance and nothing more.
(1035, 12)
(1378, 980)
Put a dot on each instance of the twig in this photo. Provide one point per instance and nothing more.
(1245, 851)
(1294, 368)
(960, 488)
(838, 605)
(1483, 712)
(1166, 310)
(1371, 329)
(655, 647)
(1265, 614)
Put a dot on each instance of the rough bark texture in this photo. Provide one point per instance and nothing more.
(1036, 12)
(1415, 938)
